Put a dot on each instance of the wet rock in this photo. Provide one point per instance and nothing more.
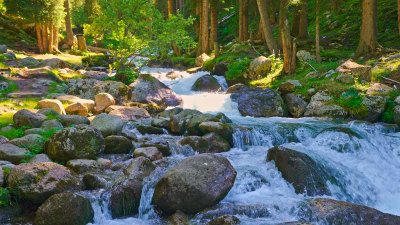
(139, 168)
(210, 143)
(178, 122)
(300, 170)
(296, 106)
(194, 123)
(40, 158)
(258, 68)
(379, 89)
(345, 79)
(108, 124)
(52, 125)
(125, 198)
(330, 211)
(355, 69)
(149, 130)
(82, 165)
(68, 120)
(54, 63)
(65, 209)
(103, 101)
(194, 184)
(53, 104)
(371, 108)
(93, 182)
(224, 130)
(12, 153)
(225, 220)
(118, 145)
(261, 102)
(289, 86)
(26, 118)
(220, 69)
(130, 113)
(161, 123)
(38, 181)
(29, 141)
(178, 218)
(77, 109)
(151, 153)
(168, 113)
(320, 106)
(104, 163)
(147, 89)
(161, 145)
(201, 59)
(207, 83)
(79, 142)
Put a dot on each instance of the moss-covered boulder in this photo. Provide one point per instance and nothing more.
(194, 184)
(210, 143)
(125, 198)
(118, 145)
(38, 181)
(300, 170)
(108, 124)
(194, 123)
(26, 118)
(149, 130)
(65, 209)
(79, 142)
(261, 102)
(321, 106)
(139, 168)
(178, 122)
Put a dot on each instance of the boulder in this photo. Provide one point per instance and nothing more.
(28, 61)
(52, 125)
(48, 112)
(93, 182)
(79, 142)
(289, 86)
(194, 123)
(220, 68)
(40, 158)
(34, 131)
(77, 109)
(26, 118)
(103, 101)
(261, 102)
(210, 143)
(320, 106)
(178, 218)
(108, 124)
(149, 130)
(147, 89)
(54, 63)
(3, 49)
(201, 59)
(12, 153)
(207, 83)
(160, 123)
(36, 182)
(224, 130)
(258, 68)
(371, 108)
(129, 113)
(151, 153)
(329, 211)
(237, 88)
(161, 145)
(379, 89)
(178, 122)
(30, 141)
(3, 140)
(225, 220)
(300, 170)
(125, 198)
(65, 209)
(68, 120)
(82, 165)
(118, 145)
(345, 79)
(356, 70)
(98, 75)
(296, 106)
(139, 168)
(305, 56)
(52, 104)
(70, 99)
(194, 184)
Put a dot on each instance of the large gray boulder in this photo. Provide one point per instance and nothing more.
(139, 168)
(68, 120)
(296, 106)
(300, 170)
(207, 83)
(26, 118)
(321, 106)
(30, 141)
(356, 70)
(194, 184)
(118, 145)
(178, 123)
(108, 124)
(12, 153)
(65, 209)
(54, 63)
(258, 68)
(147, 89)
(38, 181)
(261, 102)
(79, 142)
(210, 143)
(372, 108)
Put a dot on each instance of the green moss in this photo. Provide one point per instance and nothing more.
(389, 111)
(147, 77)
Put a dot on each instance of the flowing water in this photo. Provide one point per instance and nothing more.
(364, 159)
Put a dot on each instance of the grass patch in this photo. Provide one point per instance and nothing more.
(12, 87)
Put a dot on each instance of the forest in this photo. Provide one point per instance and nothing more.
(209, 112)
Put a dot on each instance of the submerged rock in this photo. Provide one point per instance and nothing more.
(207, 83)
(194, 184)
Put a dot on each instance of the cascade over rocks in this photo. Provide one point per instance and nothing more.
(147, 89)
(331, 211)
(300, 170)
(79, 142)
(38, 181)
(65, 209)
(207, 83)
(125, 198)
(194, 184)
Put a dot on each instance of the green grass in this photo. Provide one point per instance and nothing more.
(12, 87)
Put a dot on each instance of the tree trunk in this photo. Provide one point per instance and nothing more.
(170, 7)
(273, 11)
(266, 27)
(39, 37)
(204, 46)
(198, 14)
(50, 41)
(90, 6)
(398, 14)
(214, 23)
(45, 37)
(82, 43)
(317, 51)
(289, 47)
(303, 22)
(368, 44)
(296, 21)
(69, 39)
(243, 21)
(55, 38)
(335, 5)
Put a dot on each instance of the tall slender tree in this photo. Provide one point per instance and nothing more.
(288, 44)
(243, 20)
(204, 28)
(69, 39)
(266, 27)
(368, 44)
(303, 20)
(214, 23)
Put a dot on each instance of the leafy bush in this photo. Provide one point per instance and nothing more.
(8, 196)
(237, 69)
(126, 76)
(389, 111)
(96, 60)
(351, 99)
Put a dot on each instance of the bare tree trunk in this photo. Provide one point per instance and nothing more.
(55, 39)
(398, 14)
(266, 27)
(214, 23)
(198, 14)
(303, 22)
(39, 37)
(273, 11)
(45, 37)
(368, 44)
(69, 39)
(317, 51)
(204, 47)
(243, 21)
(82, 43)
(50, 41)
(335, 5)
(288, 45)
(296, 21)
(170, 7)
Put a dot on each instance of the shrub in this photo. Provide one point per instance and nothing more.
(96, 60)
(237, 69)
(126, 76)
